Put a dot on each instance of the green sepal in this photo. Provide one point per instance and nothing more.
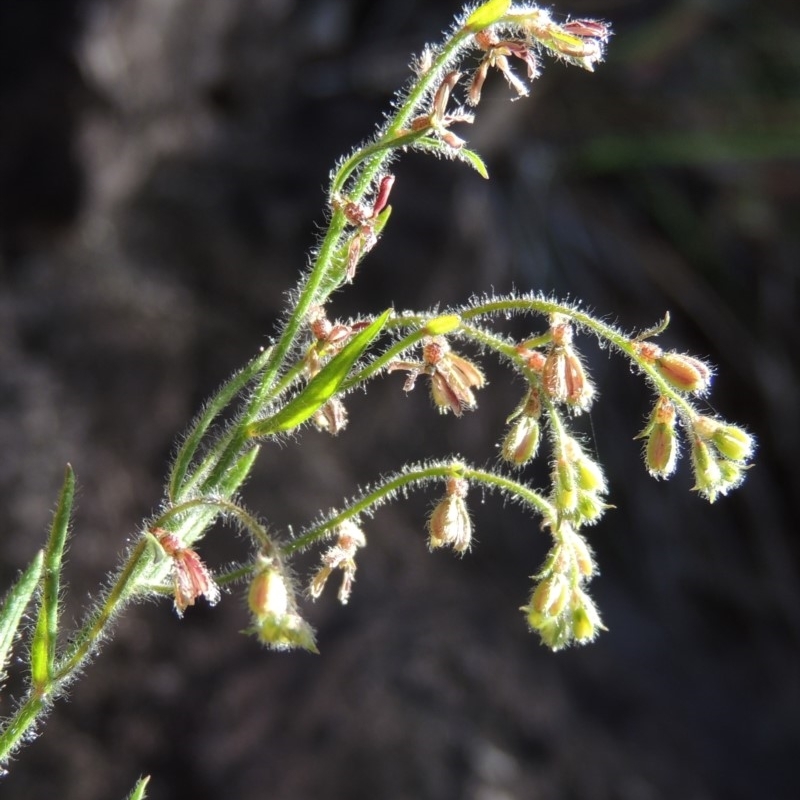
(215, 406)
(43, 646)
(487, 13)
(140, 790)
(322, 386)
(474, 160)
(14, 606)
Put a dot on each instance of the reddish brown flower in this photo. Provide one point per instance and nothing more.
(452, 377)
(191, 577)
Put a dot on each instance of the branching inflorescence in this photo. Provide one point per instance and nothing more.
(304, 378)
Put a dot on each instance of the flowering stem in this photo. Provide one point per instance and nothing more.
(622, 342)
(418, 476)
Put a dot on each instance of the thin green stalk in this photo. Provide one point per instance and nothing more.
(418, 476)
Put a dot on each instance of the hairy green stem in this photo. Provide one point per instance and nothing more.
(419, 476)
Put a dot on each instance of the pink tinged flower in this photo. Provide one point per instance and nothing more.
(681, 372)
(563, 376)
(449, 524)
(191, 578)
(452, 377)
(438, 120)
(661, 448)
(521, 442)
(497, 55)
(364, 219)
(341, 556)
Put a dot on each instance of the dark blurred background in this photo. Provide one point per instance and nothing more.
(162, 165)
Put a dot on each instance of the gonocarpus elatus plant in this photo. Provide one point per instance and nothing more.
(304, 377)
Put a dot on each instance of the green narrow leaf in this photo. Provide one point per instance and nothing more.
(215, 406)
(487, 13)
(139, 791)
(237, 474)
(43, 646)
(474, 160)
(14, 607)
(322, 386)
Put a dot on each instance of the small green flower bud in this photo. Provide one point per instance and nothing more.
(731, 441)
(586, 622)
(590, 507)
(553, 631)
(583, 628)
(590, 475)
(731, 475)
(551, 595)
(446, 323)
(708, 477)
(270, 599)
(565, 489)
(582, 554)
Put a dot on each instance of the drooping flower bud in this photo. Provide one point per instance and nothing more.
(563, 376)
(551, 595)
(661, 449)
(682, 372)
(731, 441)
(522, 439)
(708, 479)
(586, 622)
(449, 523)
(272, 604)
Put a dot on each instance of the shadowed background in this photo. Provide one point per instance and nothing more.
(162, 165)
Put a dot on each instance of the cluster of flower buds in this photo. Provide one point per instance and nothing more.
(449, 524)
(681, 372)
(523, 436)
(559, 610)
(719, 455)
(274, 608)
(191, 578)
(341, 556)
(452, 377)
(579, 485)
